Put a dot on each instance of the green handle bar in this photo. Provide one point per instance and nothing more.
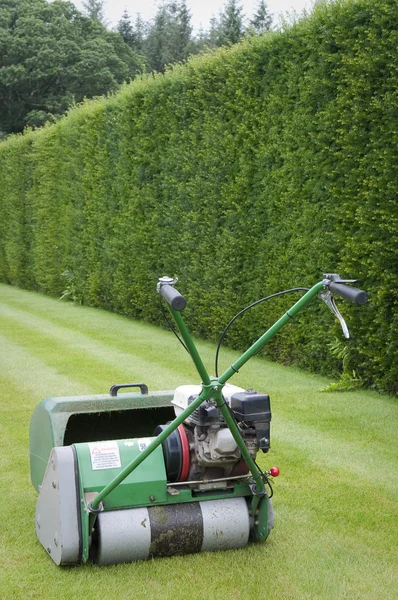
(212, 389)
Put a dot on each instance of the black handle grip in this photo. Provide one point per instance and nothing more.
(352, 294)
(173, 297)
(114, 389)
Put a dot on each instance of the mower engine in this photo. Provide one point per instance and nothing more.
(203, 447)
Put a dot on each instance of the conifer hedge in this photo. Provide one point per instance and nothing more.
(244, 172)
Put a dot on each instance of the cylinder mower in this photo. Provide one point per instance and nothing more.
(127, 476)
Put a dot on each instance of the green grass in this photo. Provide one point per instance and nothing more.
(335, 501)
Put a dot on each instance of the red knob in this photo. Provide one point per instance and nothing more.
(274, 471)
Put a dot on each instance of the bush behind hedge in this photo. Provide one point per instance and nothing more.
(250, 170)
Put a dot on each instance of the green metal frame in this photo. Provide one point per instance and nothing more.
(212, 390)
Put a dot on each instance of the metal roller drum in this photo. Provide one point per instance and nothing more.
(138, 533)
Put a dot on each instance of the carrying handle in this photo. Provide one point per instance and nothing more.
(118, 386)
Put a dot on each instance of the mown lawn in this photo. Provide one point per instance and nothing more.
(335, 501)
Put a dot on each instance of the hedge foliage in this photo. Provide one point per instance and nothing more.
(244, 172)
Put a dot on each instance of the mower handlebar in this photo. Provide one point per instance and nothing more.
(348, 292)
(173, 297)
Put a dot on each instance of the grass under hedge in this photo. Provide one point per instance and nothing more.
(335, 500)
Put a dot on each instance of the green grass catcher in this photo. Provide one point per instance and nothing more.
(131, 475)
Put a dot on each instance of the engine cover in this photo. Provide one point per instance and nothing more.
(184, 394)
(215, 447)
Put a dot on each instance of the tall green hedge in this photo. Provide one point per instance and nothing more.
(251, 170)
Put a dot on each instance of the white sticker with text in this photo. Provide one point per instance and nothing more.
(104, 455)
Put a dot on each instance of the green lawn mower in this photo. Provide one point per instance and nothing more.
(126, 476)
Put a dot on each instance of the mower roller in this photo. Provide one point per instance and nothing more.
(126, 476)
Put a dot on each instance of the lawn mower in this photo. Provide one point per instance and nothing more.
(126, 476)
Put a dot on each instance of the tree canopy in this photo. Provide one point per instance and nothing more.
(52, 56)
(230, 25)
(262, 20)
(94, 9)
(169, 38)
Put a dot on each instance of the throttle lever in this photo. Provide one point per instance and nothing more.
(328, 298)
(335, 277)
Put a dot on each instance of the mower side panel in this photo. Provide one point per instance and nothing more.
(100, 462)
(66, 420)
(57, 510)
(264, 520)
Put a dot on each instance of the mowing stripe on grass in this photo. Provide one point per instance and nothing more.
(335, 501)
(75, 347)
(116, 331)
(33, 375)
(359, 459)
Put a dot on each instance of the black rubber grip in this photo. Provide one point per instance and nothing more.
(173, 297)
(352, 294)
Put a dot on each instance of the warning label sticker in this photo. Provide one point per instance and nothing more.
(143, 443)
(104, 455)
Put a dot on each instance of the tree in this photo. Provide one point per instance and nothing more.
(169, 36)
(227, 29)
(201, 41)
(52, 56)
(262, 20)
(94, 9)
(133, 35)
(125, 28)
(212, 39)
(183, 31)
(230, 24)
(139, 34)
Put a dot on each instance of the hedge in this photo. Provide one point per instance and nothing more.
(245, 171)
